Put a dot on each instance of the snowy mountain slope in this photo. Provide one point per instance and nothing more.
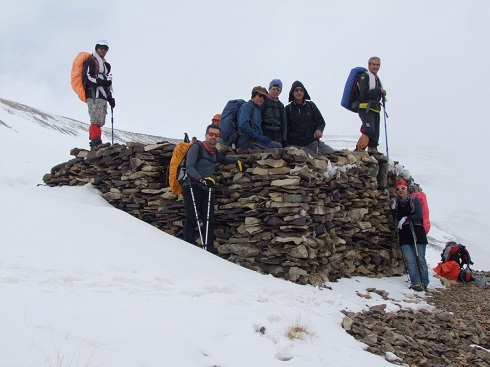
(68, 126)
(85, 284)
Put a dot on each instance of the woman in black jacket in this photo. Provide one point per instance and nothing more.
(407, 211)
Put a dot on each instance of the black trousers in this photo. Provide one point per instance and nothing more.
(370, 125)
(201, 196)
(274, 135)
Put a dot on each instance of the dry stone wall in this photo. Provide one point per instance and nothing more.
(298, 218)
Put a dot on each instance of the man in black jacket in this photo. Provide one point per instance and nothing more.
(97, 82)
(305, 123)
(371, 92)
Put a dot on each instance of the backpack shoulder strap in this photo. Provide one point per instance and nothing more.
(199, 152)
(412, 204)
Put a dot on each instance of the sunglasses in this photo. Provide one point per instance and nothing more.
(276, 89)
(214, 135)
(298, 90)
(104, 48)
(401, 188)
(262, 96)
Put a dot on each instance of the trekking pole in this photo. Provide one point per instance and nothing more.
(403, 256)
(416, 250)
(112, 123)
(400, 245)
(205, 246)
(385, 115)
(195, 211)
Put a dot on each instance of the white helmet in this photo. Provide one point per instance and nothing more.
(101, 42)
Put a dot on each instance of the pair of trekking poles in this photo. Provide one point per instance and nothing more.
(204, 243)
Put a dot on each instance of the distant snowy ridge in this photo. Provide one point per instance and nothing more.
(73, 127)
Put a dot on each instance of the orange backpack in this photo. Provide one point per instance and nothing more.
(76, 74)
(177, 171)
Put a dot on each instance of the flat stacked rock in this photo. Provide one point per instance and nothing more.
(455, 334)
(301, 219)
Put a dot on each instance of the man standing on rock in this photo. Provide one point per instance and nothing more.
(97, 82)
(371, 92)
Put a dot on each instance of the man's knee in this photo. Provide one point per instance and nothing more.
(324, 148)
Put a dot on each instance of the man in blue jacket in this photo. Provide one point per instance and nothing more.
(249, 123)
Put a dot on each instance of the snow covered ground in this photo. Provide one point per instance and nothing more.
(85, 284)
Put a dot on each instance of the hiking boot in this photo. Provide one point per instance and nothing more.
(372, 150)
(95, 142)
(417, 287)
(362, 142)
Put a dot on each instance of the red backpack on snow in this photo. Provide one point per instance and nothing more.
(458, 253)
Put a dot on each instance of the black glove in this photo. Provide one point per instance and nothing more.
(208, 181)
(112, 102)
(239, 164)
(104, 83)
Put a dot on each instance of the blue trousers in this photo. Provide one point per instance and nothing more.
(246, 143)
(408, 251)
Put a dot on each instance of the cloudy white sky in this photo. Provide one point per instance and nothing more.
(176, 63)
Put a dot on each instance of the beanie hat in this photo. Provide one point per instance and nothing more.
(298, 84)
(275, 82)
(260, 90)
(101, 42)
(400, 183)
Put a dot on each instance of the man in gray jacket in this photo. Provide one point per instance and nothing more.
(201, 161)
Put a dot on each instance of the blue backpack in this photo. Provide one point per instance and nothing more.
(228, 123)
(350, 98)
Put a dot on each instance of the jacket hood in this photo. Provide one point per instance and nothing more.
(297, 84)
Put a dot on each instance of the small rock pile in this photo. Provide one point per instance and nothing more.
(298, 218)
(451, 335)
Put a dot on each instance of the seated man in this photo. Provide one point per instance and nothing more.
(305, 122)
(250, 123)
